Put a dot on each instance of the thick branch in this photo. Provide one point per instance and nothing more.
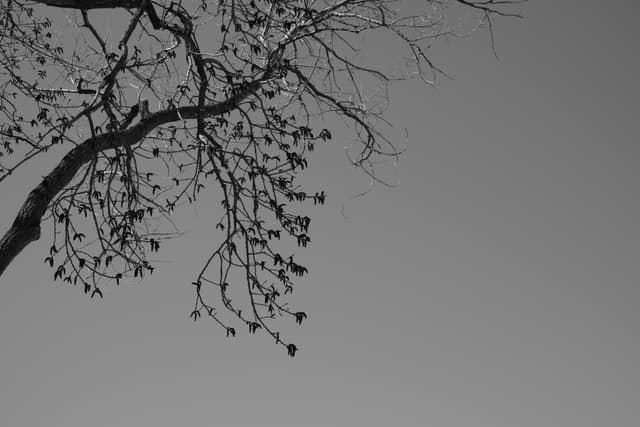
(91, 4)
(26, 226)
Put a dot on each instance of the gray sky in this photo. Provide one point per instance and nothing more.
(497, 286)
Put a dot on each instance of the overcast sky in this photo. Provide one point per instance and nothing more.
(496, 286)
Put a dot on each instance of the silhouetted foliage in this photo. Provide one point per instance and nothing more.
(170, 97)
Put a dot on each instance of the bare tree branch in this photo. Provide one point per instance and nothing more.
(242, 92)
(91, 4)
(26, 227)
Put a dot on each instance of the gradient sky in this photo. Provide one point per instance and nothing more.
(497, 286)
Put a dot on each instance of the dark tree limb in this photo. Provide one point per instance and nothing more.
(26, 226)
(91, 4)
(244, 110)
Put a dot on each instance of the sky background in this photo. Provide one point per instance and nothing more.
(496, 286)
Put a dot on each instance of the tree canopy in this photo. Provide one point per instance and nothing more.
(176, 101)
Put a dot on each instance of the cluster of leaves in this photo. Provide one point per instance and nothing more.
(239, 91)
